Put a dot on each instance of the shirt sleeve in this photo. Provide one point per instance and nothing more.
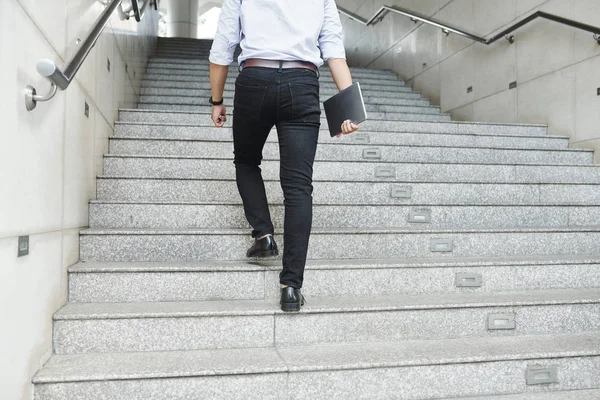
(228, 34)
(331, 41)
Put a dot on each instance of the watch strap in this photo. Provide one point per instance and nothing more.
(215, 103)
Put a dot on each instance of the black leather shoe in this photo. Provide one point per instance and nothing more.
(262, 248)
(291, 299)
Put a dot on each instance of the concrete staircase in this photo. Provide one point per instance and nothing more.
(448, 260)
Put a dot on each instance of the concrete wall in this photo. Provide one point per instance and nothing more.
(49, 159)
(557, 68)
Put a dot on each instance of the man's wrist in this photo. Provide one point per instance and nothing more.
(215, 103)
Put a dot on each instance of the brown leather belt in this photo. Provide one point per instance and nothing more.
(258, 62)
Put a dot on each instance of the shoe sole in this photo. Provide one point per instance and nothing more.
(264, 254)
(290, 307)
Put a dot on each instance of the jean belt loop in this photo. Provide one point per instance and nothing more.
(240, 66)
(318, 73)
(280, 66)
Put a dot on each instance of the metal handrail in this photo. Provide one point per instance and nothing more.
(447, 29)
(61, 80)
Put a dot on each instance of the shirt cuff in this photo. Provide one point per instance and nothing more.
(219, 60)
(333, 52)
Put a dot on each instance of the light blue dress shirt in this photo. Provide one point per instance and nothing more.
(283, 30)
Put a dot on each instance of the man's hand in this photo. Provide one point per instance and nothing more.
(348, 127)
(219, 115)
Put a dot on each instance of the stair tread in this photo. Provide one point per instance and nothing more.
(425, 122)
(188, 139)
(328, 357)
(443, 262)
(592, 394)
(373, 161)
(381, 303)
(335, 230)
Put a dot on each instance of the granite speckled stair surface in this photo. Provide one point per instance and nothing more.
(449, 260)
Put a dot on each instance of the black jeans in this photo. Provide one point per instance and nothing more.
(289, 100)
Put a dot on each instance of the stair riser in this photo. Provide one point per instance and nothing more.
(130, 139)
(152, 91)
(193, 333)
(401, 99)
(370, 158)
(187, 108)
(148, 190)
(365, 83)
(232, 216)
(451, 380)
(190, 247)
(202, 107)
(323, 171)
(324, 85)
(379, 127)
(405, 114)
(232, 387)
(342, 282)
(347, 170)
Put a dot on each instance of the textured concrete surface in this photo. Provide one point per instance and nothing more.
(229, 104)
(542, 395)
(461, 368)
(192, 139)
(200, 129)
(357, 193)
(233, 387)
(470, 128)
(215, 162)
(182, 136)
(110, 327)
(181, 216)
(194, 244)
(212, 280)
(370, 104)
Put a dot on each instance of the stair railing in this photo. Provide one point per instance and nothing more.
(448, 29)
(62, 79)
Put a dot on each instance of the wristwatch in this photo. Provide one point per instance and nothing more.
(215, 103)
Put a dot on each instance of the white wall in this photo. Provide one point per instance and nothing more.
(557, 68)
(49, 159)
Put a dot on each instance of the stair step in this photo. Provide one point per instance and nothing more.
(159, 122)
(128, 160)
(365, 158)
(337, 243)
(346, 167)
(400, 99)
(353, 193)
(569, 395)
(462, 367)
(324, 84)
(201, 106)
(327, 92)
(168, 326)
(135, 139)
(247, 280)
(104, 214)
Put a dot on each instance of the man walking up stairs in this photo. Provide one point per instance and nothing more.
(448, 260)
